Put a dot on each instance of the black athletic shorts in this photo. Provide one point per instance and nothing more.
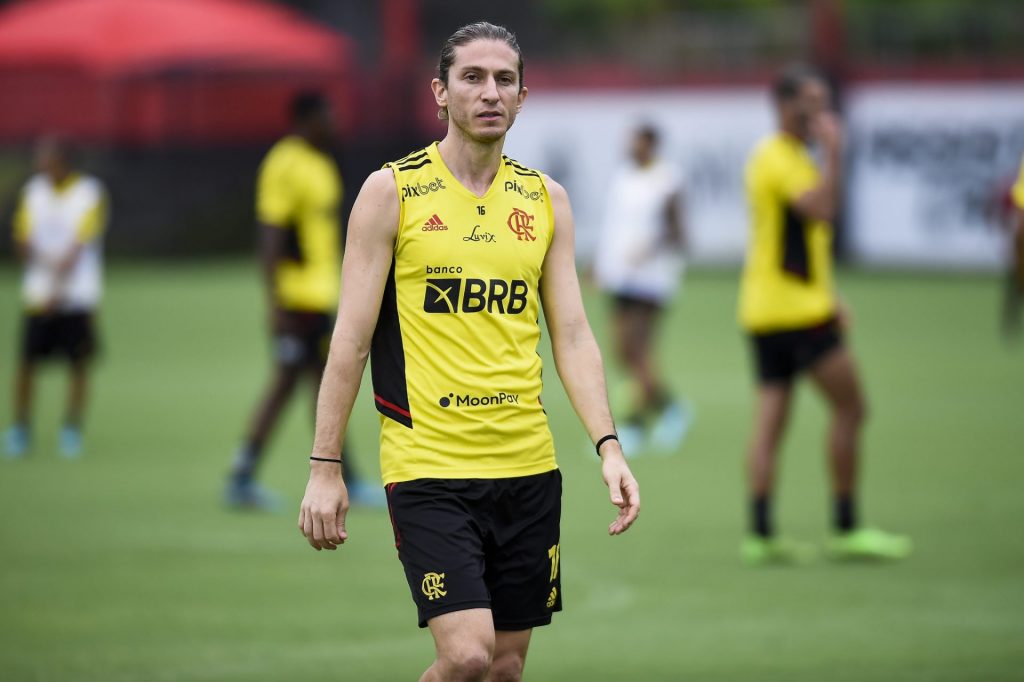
(481, 543)
(305, 339)
(627, 302)
(780, 356)
(67, 334)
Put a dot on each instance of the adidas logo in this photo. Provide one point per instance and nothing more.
(434, 224)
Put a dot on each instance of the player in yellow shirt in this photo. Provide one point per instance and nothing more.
(789, 309)
(298, 200)
(452, 252)
(1015, 280)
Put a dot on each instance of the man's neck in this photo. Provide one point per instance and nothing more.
(474, 164)
(308, 139)
(791, 133)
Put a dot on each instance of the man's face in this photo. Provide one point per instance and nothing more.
(483, 92)
(50, 159)
(811, 100)
(321, 126)
(641, 148)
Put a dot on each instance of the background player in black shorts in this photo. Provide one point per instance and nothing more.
(298, 201)
(58, 227)
(789, 308)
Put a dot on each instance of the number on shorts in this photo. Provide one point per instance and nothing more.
(553, 555)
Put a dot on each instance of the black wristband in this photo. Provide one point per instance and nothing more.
(325, 459)
(603, 440)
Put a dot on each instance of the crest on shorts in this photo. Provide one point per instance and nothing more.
(433, 585)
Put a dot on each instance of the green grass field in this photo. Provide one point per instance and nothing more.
(124, 566)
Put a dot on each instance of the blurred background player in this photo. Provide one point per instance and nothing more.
(795, 322)
(1015, 279)
(639, 264)
(57, 230)
(298, 200)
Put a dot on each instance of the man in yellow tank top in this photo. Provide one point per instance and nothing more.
(452, 252)
(795, 323)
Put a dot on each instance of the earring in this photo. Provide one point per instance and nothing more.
(442, 114)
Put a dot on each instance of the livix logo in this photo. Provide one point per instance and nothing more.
(420, 189)
(521, 222)
(478, 235)
(433, 585)
(434, 224)
(467, 400)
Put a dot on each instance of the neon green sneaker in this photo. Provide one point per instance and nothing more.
(868, 544)
(760, 551)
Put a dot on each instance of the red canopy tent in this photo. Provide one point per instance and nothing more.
(158, 71)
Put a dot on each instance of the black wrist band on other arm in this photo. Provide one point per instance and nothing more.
(325, 459)
(603, 440)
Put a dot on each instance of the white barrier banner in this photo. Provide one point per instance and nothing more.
(929, 168)
(580, 138)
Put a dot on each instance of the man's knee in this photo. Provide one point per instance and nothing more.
(854, 411)
(469, 663)
(507, 668)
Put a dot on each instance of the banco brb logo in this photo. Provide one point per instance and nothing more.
(521, 222)
(472, 295)
(433, 586)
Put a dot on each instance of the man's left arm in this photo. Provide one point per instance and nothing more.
(578, 358)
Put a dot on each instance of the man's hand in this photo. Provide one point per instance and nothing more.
(625, 491)
(324, 506)
(827, 130)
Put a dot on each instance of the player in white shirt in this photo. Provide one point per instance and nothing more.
(640, 263)
(58, 227)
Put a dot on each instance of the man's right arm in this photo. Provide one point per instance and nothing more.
(821, 202)
(369, 249)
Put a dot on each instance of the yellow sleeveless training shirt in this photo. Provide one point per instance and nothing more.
(787, 275)
(456, 373)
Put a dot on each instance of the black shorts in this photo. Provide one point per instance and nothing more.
(305, 339)
(629, 302)
(481, 543)
(781, 356)
(66, 334)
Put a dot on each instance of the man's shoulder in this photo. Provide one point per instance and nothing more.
(90, 185)
(412, 161)
(521, 169)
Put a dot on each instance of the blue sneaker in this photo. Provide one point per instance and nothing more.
(362, 494)
(250, 495)
(673, 424)
(631, 439)
(16, 441)
(71, 442)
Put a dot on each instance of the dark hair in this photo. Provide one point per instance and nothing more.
(306, 104)
(789, 81)
(480, 30)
